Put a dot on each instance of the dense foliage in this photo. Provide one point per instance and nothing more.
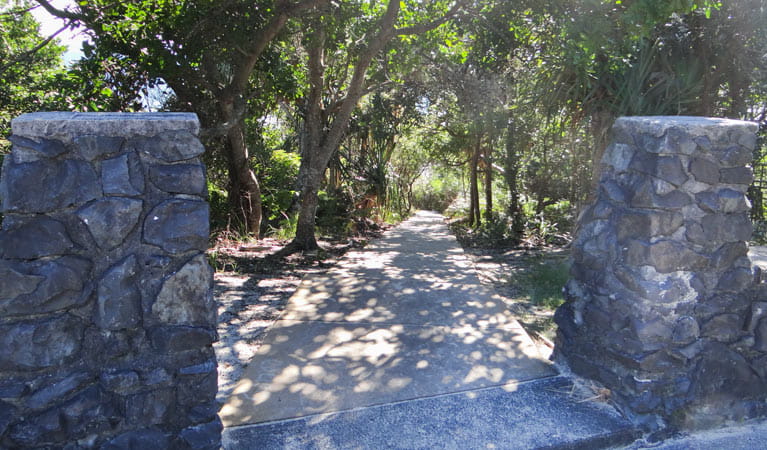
(332, 114)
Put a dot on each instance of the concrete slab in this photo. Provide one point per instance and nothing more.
(307, 368)
(405, 318)
(533, 415)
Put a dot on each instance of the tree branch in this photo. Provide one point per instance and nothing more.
(61, 13)
(424, 27)
(27, 54)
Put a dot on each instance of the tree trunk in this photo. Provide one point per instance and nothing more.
(244, 190)
(305, 239)
(488, 182)
(511, 173)
(474, 214)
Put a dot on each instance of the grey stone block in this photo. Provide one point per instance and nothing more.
(17, 281)
(122, 175)
(120, 382)
(203, 437)
(181, 338)
(686, 330)
(37, 345)
(186, 297)
(91, 147)
(110, 220)
(149, 408)
(178, 226)
(58, 390)
(28, 150)
(61, 286)
(179, 178)
(169, 146)
(141, 439)
(704, 170)
(44, 186)
(118, 297)
(67, 125)
(35, 238)
(737, 175)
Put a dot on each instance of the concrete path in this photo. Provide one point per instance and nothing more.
(396, 343)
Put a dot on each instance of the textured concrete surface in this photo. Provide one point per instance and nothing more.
(403, 319)
(544, 413)
(747, 436)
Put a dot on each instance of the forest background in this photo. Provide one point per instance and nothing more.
(330, 117)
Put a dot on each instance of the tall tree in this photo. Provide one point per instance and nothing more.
(331, 102)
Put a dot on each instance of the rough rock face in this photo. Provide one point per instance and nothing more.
(662, 306)
(106, 312)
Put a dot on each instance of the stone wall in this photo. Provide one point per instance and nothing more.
(106, 311)
(663, 306)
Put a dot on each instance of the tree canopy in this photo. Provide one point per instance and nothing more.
(319, 116)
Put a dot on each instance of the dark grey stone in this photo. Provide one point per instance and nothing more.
(670, 169)
(757, 312)
(723, 328)
(203, 413)
(760, 336)
(186, 297)
(88, 412)
(734, 156)
(686, 331)
(44, 186)
(110, 220)
(34, 429)
(122, 176)
(61, 288)
(17, 281)
(179, 178)
(35, 238)
(613, 191)
(720, 229)
(37, 345)
(178, 226)
(724, 201)
(7, 416)
(121, 382)
(737, 175)
(118, 302)
(11, 389)
(142, 439)
(723, 374)
(169, 146)
(28, 150)
(157, 376)
(197, 389)
(203, 437)
(149, 408)
(704, 170)
(93, 147)
(653, 334)
(736, 280)
(666, 256)
(58, 390)
(198, 369)
(179, 339)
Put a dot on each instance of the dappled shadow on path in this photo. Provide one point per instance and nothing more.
(405, 318)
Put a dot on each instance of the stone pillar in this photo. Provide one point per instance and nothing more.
(107, 317)
(662, 306)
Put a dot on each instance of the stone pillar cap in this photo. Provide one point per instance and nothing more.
(57, 124)
(658, 125)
